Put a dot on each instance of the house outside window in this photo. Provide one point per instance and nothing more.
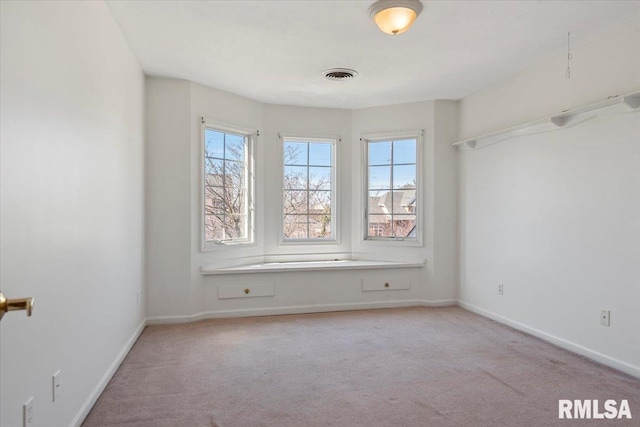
(392, 187)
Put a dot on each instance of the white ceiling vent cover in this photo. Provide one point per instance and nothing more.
(340, 74)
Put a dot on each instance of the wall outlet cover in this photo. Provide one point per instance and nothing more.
(55, 386)
(27, 413)
(605, 317)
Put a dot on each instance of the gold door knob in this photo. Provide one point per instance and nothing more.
(247, 290)
(386, 285)
(15, 304)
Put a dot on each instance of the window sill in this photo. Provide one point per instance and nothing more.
(280, 267)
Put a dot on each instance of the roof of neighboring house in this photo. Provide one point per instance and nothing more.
(381, 214)
(404, 200)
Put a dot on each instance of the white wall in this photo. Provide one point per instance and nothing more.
(178, 291)
(72, 135)
(605, 67)
(445, 212)
(556, 216)
(168, 190)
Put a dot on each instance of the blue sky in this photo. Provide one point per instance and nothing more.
(216, 145)
(319, 154)
(404, 159)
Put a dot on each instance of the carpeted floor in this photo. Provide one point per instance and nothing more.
(396, 367)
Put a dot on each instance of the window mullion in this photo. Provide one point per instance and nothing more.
(308, 190)
(224, 185)
(244, 187)
(393, 228)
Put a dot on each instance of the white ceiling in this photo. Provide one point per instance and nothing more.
(275, 51)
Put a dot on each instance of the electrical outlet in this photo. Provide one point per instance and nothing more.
(501, 289)
(55, 386)
(605, 317)
(27, 413)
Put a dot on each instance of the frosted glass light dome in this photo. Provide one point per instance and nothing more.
(395, 16)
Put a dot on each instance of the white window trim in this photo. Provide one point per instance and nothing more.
(386, 136)
(335, 196)
(251, 134)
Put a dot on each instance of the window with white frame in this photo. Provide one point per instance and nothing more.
(391, 206)
(308, 190)
(227, 185)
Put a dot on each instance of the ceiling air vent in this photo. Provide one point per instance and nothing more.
(340, 74)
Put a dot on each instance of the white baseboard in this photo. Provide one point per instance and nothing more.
(439, 303)
(560, 342)
(97, 391)
(300, 309)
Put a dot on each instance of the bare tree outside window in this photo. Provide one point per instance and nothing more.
(225, 186)
(307, 207)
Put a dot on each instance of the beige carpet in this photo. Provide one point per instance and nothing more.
(397, 367)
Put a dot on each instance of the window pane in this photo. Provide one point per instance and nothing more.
(213, 227)
(403, 225)
(234, 173)
(404, 176)
(380, 153)
(404, 151)
(214, 200)
(404, 201)
(320, 178)
(235, 226)
(234, 147)
(213, 143)
(295, 202)
(234, 200)
(379, 202)
(295, 153)
(295, 177)
(380, 226)
(225, 208)
(319, 154)
(295, 227)
(319, 226)
(379, 177)
(320, 202)
(214, 172)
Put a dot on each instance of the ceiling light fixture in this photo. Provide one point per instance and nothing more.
(395, 16)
